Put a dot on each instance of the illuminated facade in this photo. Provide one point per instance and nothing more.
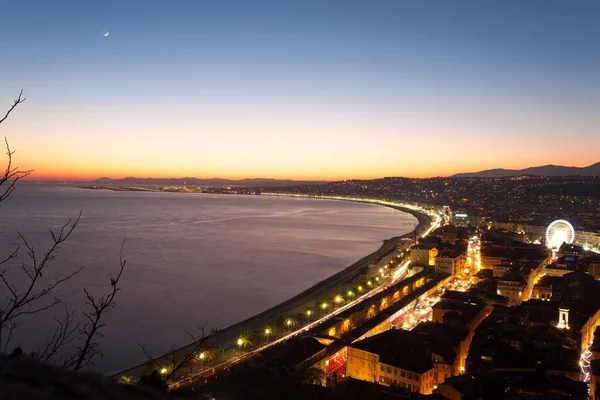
(365, 366)
(563, 318)
(450, 264)
(422, 256)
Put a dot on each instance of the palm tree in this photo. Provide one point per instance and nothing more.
(127, 380)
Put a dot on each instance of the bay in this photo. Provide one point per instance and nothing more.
(191, 258)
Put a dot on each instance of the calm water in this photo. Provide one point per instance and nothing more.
(190, 258)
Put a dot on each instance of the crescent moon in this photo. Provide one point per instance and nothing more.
(106, 34)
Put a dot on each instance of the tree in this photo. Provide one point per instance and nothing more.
(26, 292)
(313, 376)
(167, 366)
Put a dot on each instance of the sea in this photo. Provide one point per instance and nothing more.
(190, 258)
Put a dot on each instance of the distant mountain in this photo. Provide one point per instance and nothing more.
(545, 170)
(214, 182)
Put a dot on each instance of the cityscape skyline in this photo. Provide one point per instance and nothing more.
(326, 91)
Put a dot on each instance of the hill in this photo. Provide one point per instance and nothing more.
(545, 170)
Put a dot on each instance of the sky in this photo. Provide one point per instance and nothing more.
(299, 89)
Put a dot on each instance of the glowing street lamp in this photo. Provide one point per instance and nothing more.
(163, 370)
(201, 356)
(243, 342)
(360, 288)
(289, 323)
(268, 332)
(324, 306)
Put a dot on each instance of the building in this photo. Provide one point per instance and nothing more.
(512, 385)
(563, 265)
(423, 255)
(448, 346)
(594, 267)
(417, 360)
(525, 339)
(512, 286)
(450, 262)
(543, 289)
(584, 238)
(491, 256)
(393, 358)
(502, 269)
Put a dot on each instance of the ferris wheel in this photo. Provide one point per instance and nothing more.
(559, 232)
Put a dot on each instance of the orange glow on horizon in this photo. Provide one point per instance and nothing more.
(86, 152)
(42, 172)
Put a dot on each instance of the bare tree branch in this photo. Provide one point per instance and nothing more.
(31, 299)
(35, 296)
(11, 256)
(12, 325)
(92, 328)
(11, 174)
(151, 360)
(172, 362)
(60, 336)
(18, 101)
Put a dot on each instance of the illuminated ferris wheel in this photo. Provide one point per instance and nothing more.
(559, 232)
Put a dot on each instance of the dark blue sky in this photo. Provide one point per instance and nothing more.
(336, 85)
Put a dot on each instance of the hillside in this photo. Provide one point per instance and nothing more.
(545, 170)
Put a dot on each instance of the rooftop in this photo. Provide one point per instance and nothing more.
(399, 348)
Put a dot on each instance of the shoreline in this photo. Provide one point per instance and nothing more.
(300, 300)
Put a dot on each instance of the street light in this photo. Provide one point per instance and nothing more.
(163, 370)
(201, 356)
(324, 306)
(338, 299)
(360, 288)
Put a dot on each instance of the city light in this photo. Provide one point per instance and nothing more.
(163, 370)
